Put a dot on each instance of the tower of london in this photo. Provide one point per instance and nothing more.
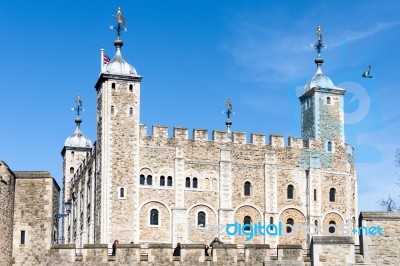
(141, 187)
(150, 191)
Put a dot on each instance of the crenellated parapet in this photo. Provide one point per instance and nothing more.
(160, 132)
(162, 254)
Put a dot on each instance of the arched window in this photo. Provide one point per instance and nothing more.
(112, 109)
(290, 190)
(113, 86)
(142, 179)
(201, 219)
(131, 111)
(130, 88)
(153, 217)
(122, 192)
(332, 195)
(247, 188)
(315, 230)
(247, 220)
(289, 221)
(187, 183)
(195, 182)
(315, 195)
(71, 170)
(162, 180)
(328, 100)
(332, 227)
(169, 181)
(149, 180)
(329, 146)
(72, 153)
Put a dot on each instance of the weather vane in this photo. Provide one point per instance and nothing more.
(319, 45)
(79, 108)
(228, 111)
(120, 22)
(228, 122)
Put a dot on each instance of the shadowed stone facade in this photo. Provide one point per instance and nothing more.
(7, 198)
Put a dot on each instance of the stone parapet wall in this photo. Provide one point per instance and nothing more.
(380, 249)
(162, 254)
(221, 136)
(333, 250)
(34, 216)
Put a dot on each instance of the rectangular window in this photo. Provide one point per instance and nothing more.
(22, 241)
(315, 195)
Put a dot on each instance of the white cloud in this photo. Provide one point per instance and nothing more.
(353, 36)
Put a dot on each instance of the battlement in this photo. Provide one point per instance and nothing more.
(219, 136)
(191, 254)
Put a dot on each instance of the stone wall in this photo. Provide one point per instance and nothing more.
(333, 250)
(380, 249)
(34, 216)
(7, 187)
(191, 255)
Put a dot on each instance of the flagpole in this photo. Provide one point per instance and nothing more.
(101, 60)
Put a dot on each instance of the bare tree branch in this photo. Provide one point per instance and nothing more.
(388, 204)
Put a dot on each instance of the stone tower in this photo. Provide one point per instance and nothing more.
(74, 152)
(322, 115)
(117, 148)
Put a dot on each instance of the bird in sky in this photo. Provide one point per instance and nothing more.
(366, 73)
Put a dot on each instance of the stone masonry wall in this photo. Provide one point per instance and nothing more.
(377, 249)
(201, 159)
(333, 250)
(191, 255)
(34, 214)
(7, 188)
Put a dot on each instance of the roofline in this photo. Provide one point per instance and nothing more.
(311, 91)
(35, 175)
(104, 76)
(75, 149)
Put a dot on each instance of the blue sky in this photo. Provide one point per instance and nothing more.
(194, 55)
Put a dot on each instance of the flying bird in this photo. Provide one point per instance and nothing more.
(366, 73)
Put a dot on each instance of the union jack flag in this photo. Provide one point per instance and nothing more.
(106, 59)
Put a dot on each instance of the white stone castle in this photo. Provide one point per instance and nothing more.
(150, 192)
(134, 187)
